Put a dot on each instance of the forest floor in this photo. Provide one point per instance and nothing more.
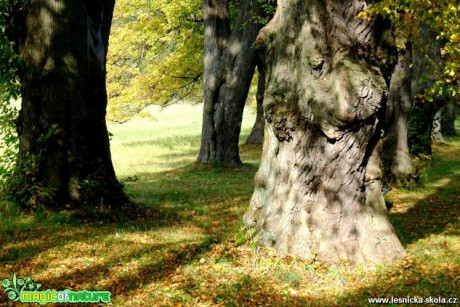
(184, 244)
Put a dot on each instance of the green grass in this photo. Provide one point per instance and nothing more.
(169, 141)
(183, 244)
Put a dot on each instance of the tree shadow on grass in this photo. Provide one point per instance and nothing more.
(160, 200)
(177, 254)
(407, 283)
(437, 213)
(32, 233)
(193, 184)
(146, 273)
(256, 292)
(213, 199)
(205, 197)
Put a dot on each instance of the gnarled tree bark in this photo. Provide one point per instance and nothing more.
(318, 189)
(64, 154)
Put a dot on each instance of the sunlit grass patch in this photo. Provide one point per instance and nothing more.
(168, 141)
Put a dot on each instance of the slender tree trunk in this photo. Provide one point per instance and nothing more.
(448, 118)
(426, 53)
(436, 134)
(318, 189)
(257, 133)
(395, 156)
(64, 154)
(228, 69)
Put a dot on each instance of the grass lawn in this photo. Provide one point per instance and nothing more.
(185, 246)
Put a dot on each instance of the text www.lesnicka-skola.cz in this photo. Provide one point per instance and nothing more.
(413, 300)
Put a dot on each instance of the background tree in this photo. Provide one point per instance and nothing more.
(157, 54)
(432, 27)
(64, 153)
(318, 189)
(448, 117)
(427, 101)
(256, 136)
(229, 64)
(396, 158)
(436, 133)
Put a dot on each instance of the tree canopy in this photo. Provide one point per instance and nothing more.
(155, 55)
(410, 17)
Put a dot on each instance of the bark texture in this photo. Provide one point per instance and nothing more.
(318, 189)
(395, 152)
(64, 154)
(257, 132)
(229, 65)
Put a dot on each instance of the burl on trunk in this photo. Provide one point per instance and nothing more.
(318, 189)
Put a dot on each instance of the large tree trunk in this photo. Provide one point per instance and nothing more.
(318, 189)
(257, 132)
(229, 65)
(395, 155)
(64, 155)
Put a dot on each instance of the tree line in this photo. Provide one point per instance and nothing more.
(334, 77)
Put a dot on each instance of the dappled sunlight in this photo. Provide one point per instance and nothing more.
(441, 182)
(172, 235)
(154, 199)
(408, 199)
(35, 240)
(85, 259)
(235, 48)
(195, 257)
(433, 207)
(183, 244)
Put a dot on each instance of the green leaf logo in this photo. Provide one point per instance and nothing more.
(14, 287)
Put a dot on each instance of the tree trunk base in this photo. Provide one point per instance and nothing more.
(321, 210)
